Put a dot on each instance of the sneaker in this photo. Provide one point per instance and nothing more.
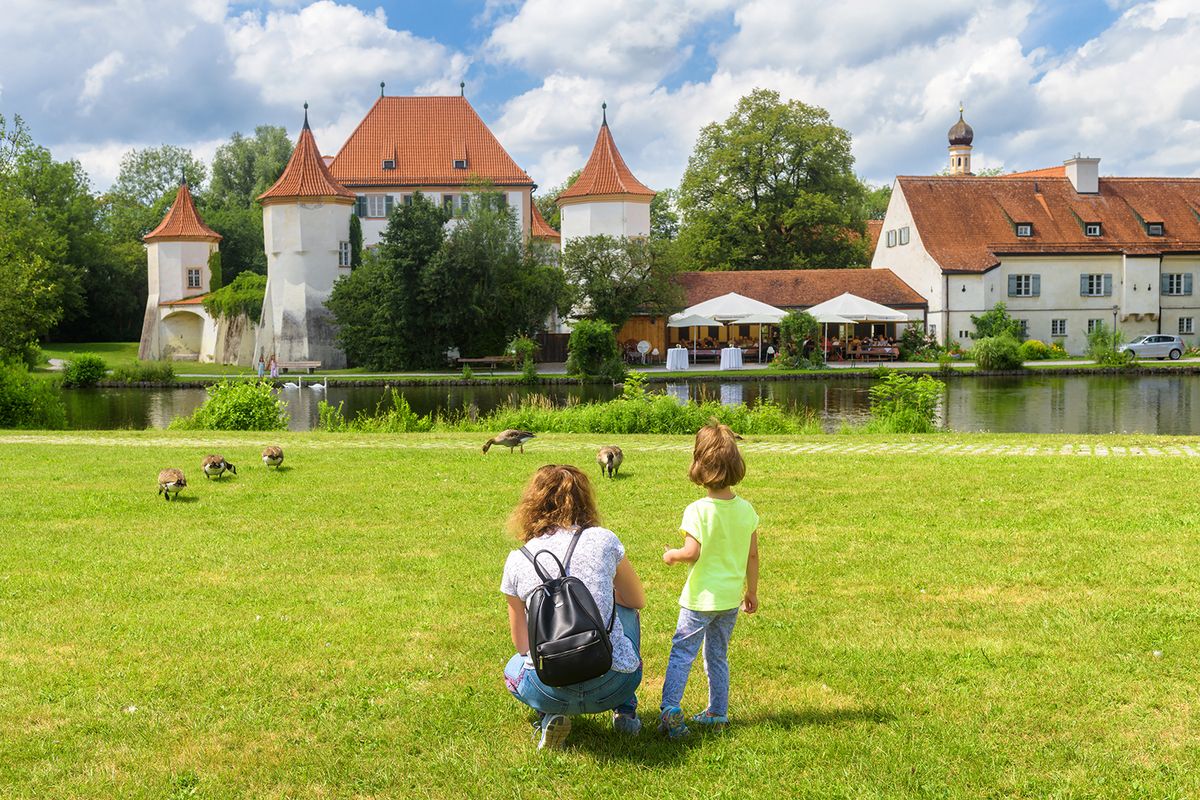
(670, 722)
(554, 730)
(711, 721)
(627, 723)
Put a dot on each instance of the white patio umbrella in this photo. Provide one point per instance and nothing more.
(734, 306)
(687, 320)
(759, 319)
(851, 308)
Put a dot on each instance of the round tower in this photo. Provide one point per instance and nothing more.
(177, 254)
(960, 136)
(606, 199)
(306, 232)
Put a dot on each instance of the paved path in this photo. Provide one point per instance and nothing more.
(835, 445)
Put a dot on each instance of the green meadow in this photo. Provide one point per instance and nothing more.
(932, 625)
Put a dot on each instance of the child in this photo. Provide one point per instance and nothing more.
(721, 545)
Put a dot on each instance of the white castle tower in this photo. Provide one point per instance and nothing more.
(306, 232)
(606, 199)
(177, 253)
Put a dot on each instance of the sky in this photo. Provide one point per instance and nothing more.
(1040, 81)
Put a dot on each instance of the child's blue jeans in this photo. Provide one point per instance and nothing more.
(713, 628)
(612, 691)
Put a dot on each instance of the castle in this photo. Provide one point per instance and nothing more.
(438, 146)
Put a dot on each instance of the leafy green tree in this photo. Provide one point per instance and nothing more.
(772, 187)
(664, 221)
(148, 174)
(591, 348)
(356, 242)
(245, 167)
(32, 254)
(548, 203)
(876, 199)
(241, 230)
(614, 278)
(214, 271)
(997, 322)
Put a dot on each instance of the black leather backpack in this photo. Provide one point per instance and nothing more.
(568, 640)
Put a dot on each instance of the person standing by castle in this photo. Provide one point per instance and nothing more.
(273, 365)
(261, 366)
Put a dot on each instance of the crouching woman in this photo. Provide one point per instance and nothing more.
(556, 510)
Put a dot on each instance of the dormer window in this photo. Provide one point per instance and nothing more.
(1024, 229)
(460, 163)
(389, 163)
(1091, 229)
(1154, 229)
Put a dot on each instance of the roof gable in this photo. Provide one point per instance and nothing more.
(424, 137)
(800, 288)
(967, 223)
(540, 229)
(306, 175)
(183, 221)
(605, 173)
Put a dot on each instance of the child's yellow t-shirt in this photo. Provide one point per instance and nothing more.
(717, 580)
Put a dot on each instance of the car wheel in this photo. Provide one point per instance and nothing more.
(1175, 354)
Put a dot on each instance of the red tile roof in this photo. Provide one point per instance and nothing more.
(1044, 172)
(874, 229)
(187, 301)
(541, 229)
(967, 223)
(424, 136)
(800, 288)
(605, 173)
(306, 175)
(183, 221)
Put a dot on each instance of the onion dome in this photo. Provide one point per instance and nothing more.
(961, 133)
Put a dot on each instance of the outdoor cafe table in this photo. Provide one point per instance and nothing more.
(677, 358)
(731, 358)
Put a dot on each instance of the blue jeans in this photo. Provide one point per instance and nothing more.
(612, 691)
(714, 629)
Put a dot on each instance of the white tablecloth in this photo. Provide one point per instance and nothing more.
(677, 358)
(731, 358)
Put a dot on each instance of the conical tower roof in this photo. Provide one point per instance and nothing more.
(605, 173)
(306, 176)
(540, 229)
(183, 221)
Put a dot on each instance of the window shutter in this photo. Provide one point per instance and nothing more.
(387, 205)
(1166, 283)
(360, 205)
(1187, 283)
(1108, 284)
(1037, 285)
(1012, 285)
(1083, 285)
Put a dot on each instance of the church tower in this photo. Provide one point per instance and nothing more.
(177, 254)
(960, 137)
(606, 198)
(306, 231)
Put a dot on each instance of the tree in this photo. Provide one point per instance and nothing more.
(614, 278)
(31, 258)
(548, 203)
(148, 174)
(356, 242)
(876, 200)
(245, 167)
(664, 221)
(772, 187)
(997, 322)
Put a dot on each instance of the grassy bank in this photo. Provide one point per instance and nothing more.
(932, 626)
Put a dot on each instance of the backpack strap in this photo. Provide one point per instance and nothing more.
(537, 568)
(567, 565)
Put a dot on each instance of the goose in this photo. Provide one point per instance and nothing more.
(272, 455)
(510, 438)
(170, 481)
(216, 466)
(610, 458)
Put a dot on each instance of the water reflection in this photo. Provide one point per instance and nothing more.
(1166, 404)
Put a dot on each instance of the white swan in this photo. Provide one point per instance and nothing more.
(318, 387)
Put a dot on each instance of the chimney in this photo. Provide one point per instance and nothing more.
(1084, 174)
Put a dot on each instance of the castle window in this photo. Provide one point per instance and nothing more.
(448, 202)
(379, 205)
(343, 254)
(1095, 285)
(1024, 285)
(193, 278)
(1091, 229)
(1093, 324)
(464, 204)
(1024, 229)
(407, 199)
(460, 163)
(1177, 283)
(904, 235)
(891, 238)
(1186, 325)
(1154, 229)
(1058, 327)
(389, 163)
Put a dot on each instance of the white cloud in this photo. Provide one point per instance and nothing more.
(95, 78)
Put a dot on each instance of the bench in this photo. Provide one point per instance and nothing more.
(308, 366)
(491, 362)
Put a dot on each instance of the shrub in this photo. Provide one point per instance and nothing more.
(996, 322)
(145, 372)
(1102, 347)
(591, 349)
(237, 406)
(916, 344)
(87, 369)
(29, 402)
(1034, 350)
(997, 352)
(1057, 351)
(796, 328)
(945, 364)
(905, 404)
(214, 271)
(243, 295)
(467, 373)
(523, 349)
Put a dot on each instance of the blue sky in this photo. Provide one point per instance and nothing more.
(1041, 80)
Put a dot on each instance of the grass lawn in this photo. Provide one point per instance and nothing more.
(931, 626)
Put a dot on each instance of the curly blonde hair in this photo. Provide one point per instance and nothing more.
(716, 460)
(557, 496)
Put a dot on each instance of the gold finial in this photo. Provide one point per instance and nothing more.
(960, 108)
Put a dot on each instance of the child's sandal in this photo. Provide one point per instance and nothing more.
(710, 721)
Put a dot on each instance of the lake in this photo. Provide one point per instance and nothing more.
(1166, 404)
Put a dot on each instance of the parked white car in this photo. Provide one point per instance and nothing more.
(1156, 345)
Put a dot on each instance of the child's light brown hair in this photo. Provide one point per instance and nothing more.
(557, 496)
(716, 461)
